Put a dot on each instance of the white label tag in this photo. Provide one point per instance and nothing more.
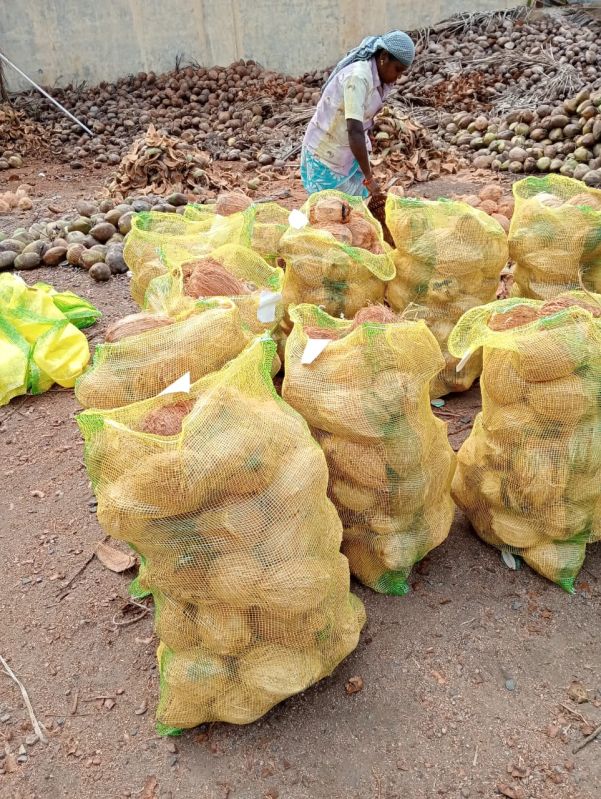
(268, 301)
(297, 219)
(464, 360)
(314, 348)
(182, 384)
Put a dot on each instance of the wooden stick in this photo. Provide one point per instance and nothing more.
(586, 741)
(37, 727)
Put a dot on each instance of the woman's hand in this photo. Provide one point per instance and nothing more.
(373, 187)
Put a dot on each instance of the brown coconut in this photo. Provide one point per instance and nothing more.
(376, 314)
(330, 209)
(231, 203)
(134, 324)
(341, 233)
(362, 233)
(208, 278)
(520, 315)
(166, 421)
(561, 303)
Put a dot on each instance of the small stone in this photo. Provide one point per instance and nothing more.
(22, 759)
(31, 740)
(5, 717)
(173, 761)
(171, 747)
(510, 684)
(22, 750)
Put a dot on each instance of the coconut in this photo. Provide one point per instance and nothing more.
(363, 234)
(166, 421)
(513, 317)
(341, 233)
(231, 203)
(275, 671)
(134, 325)
(330, 209)
(374, 314)
(209, 278)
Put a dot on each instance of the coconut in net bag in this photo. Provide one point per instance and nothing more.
(230, 271)
(448, 258)
(365, 397)
(555, 237)
(223, 492)
(529, 475)
(153, 231)
(338, 260)
(146, 352)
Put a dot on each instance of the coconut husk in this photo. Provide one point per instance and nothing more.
(558, 304)
(322, 333)
(134, 324)
(362, 232)
(208, 278)
(166, 421)
(377, 314)
(521, 315)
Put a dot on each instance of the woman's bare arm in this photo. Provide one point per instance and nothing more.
(356, 139)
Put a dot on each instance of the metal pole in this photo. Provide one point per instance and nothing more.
(45, 93)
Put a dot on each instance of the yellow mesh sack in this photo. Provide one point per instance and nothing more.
(337, 276)
(366, 400)
(153, 232)
(262, 227)
(260, 310)
(143, 365)
(448, 258)
(239, 540)
(529, 475)
(555, 237)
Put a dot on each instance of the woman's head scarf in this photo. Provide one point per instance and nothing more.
(397, 43)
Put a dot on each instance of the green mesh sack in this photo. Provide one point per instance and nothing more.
(448, 259)
(529, 475)
(239, 540)
(366, 399)
(231, 270)
(140, 366)
(555, 237)
(153, 232)
(339, 260)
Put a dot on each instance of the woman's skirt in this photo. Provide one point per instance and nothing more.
(316, 176)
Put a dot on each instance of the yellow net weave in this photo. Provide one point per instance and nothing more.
(240, 543)
(529, 475)
(448, 258)
(366, 400)
(555, 237)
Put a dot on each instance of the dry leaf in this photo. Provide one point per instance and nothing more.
(113, 559)
(149, 789)
(354, 685)
(578, 693)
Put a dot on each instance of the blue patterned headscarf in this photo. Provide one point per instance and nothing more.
(397, 43)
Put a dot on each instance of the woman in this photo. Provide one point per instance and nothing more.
(336, 147)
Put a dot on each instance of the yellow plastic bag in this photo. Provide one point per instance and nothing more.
(365, 397)
(555, 237)
(240, 543)
(331, 272)
(59, 351)
(200, 341)
(15, 354)
(529, 475)
(448, 258)
(78, 311)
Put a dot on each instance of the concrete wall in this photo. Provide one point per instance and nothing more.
(59, 41)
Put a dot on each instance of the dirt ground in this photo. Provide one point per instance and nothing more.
(466, 680)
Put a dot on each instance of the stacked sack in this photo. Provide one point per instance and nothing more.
(448, 258)
(152, 232)
(260, 225)
(555, 237)
(144, 353)
(39, 344)
(338, 260)
(363, 387)
(230, 271)
(529, 475)
(223, 493)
